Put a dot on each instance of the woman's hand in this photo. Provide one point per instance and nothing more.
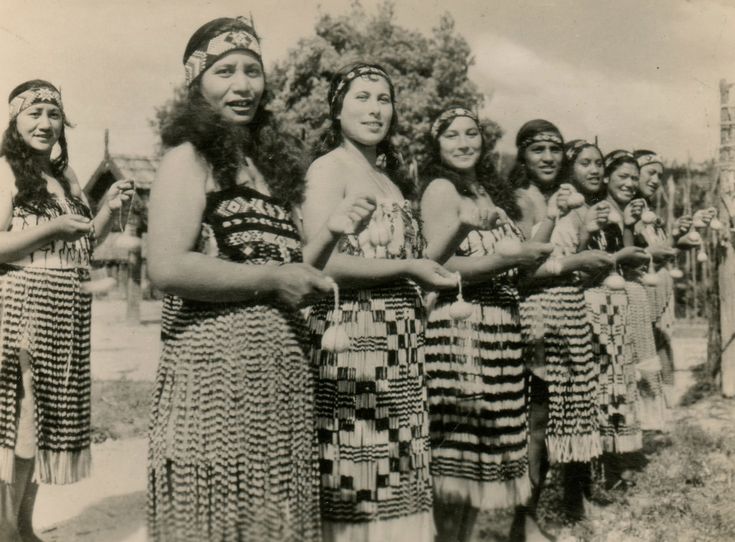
(632, 255)
(558, 205)
(70, 227)
(533, 254)
(473, 217)
(633, 210)
(591, 261)
(299, 284)
(430, 275)
(351, 214)
(119, 193)
(661, 253)
(597, 216)
(682, 225)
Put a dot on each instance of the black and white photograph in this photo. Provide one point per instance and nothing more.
(367, 271)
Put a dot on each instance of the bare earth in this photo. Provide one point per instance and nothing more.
(110, 506)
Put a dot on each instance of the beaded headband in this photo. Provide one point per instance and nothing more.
(353, 74)
(33, 96)
(575, 147)
(450, 114)
(209, 51)
(617, 155)
(646, 159)
(543, 136)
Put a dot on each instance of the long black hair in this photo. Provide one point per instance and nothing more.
(499, 189)
(32, 190)
(332, 137)
(225, 145)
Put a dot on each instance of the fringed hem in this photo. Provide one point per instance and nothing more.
(7, 464)
(573, 448)
(620, 444)
(62, 467)
(416, 528)
(483, 495)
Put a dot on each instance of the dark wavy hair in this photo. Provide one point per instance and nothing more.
(332, 137)
(500, 191)
(518, 175)
(32, 190)
(225, 145)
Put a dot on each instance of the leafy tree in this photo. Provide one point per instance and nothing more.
(429, 73)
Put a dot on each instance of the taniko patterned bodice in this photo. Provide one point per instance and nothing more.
(241, 224)
(404, 234)
(58, 254)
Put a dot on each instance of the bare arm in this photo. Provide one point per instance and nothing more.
(176, 206)
(14, 245)
(326, 188)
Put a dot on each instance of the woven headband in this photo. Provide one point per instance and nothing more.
(543, 136)
(354, 74)
(33, 96)
(575, 147)
(450, 114)
(208, 52)
(617, 155)
(646, 159)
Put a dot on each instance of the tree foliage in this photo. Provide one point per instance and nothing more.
(430, 73)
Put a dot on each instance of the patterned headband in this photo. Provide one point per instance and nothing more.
(617, 155)
(575, 147)
(450, 114)
(543, 136)
(209, 51)
(646, 159)
(33, 96)
(353, 74)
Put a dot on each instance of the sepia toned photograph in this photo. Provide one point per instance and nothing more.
(367, 271)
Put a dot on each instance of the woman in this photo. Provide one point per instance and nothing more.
(372, 418)
(47, 235)
(474, 367)
(656, 240)
(232, 451)
(608, 308)
(563, 415)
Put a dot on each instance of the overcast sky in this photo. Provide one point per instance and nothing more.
(635, 73)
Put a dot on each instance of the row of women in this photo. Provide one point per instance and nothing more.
(446, 358)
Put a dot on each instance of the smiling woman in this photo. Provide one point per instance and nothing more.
(46, 235)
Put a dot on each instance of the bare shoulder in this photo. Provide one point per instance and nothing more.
(440, 188)
(182, 163)
(326, 167)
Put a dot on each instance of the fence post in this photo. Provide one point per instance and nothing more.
(723, 347)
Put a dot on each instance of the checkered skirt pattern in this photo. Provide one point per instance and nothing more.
(371, 409)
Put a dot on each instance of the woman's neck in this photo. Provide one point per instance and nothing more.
(43, 161)
(369, 153)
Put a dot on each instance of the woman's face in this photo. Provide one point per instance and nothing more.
(234, 85)
(622, 183)
(543, 161)
(40, 126)
(367, 110)
(460, 144)
(650, 180)
(588, 171)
